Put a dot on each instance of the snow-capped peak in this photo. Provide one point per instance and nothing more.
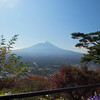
(44, 42)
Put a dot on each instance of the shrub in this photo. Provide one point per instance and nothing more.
(31, 83)
(71, 76)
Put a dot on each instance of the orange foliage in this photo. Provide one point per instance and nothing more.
(31, 83)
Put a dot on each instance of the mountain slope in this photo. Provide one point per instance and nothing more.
(45, 48)
(48, 54)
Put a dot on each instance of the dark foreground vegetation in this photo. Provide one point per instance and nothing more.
(68, 76)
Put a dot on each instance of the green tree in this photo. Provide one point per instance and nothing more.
(90, 41)
(10, 63)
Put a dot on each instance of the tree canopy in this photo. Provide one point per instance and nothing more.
(90, 41)
(10, 63)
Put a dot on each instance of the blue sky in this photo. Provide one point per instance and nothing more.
(48, 20)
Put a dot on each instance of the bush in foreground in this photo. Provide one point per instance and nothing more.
(68, 76)
(71, 76)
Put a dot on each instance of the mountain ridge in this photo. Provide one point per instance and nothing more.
(48, 54)
(44, 45)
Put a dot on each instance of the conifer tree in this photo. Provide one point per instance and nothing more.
(90, 41)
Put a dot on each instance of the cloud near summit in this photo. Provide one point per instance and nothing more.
(9, 3)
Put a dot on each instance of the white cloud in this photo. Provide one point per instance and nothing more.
(8, 3)
(81, 50)
(15, 48)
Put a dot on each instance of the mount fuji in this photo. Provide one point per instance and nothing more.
(45, 54)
